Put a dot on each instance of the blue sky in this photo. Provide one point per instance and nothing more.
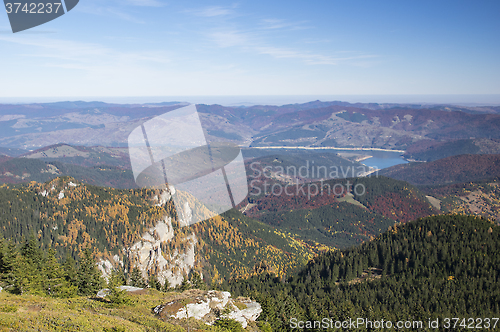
(192, 48)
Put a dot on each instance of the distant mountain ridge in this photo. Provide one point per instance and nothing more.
(428, 150)
(93, 165)
(317, 123)
(454, 169)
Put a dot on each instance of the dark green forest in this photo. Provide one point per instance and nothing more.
(431, 268)
(69, 216)
(436, 267)
(338, 225)
(27, 269)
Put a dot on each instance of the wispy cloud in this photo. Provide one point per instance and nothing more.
(145, 3)
(317, 41)
(253, 42)
(28, 32)
(213, 11)
(110, 11)
(275, 24)
(307, 57)
(118, 8)
(82, 55)
(124, 16)
(230, 38)
(265, 37)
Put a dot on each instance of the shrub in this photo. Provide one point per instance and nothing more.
(8, 308)
(229, 324)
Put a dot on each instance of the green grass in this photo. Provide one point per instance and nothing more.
(350, 199)
(34, 313)
(354, 117)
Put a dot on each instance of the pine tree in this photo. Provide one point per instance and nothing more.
(197, 282)
(27, 277)
(185, 285)
(117, 295)
(89, 278)
(28, 268)
(166, 286)
(136, 278)
(9, 258)
(32, 251)
(56, 283)
(154, 283)
(3, 267)
(70, 271)
(117, 277)
(227, 324)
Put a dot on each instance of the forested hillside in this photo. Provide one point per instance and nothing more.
(396, 200)
(69, 216)
(22, 170)
(436, 267)
(427, 150)
(472, 198)
(339, 213)
(455, 169)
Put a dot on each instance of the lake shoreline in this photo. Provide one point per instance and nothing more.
(321, 148)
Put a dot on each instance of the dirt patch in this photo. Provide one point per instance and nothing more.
(434, 202)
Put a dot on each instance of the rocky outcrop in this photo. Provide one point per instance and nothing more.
(148, 256)
(208, 306)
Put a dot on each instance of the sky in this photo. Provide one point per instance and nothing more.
(146, 48)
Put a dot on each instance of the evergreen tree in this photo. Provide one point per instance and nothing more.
(28, 268)
(185, 285)
(229, 325)
(136, 278)
(9, 258)
(117, 277)
(70, 271)
(154, 283)
(89, 278)
(31, 250)
(115, 294)
(3, 267)
(197, 282)
(442, 266)
(166, 286)
(56, 283)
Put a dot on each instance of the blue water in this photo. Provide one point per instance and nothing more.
(379, 159)
(387, 160)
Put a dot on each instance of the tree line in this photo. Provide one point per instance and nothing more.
(436, 267)
(28, 269)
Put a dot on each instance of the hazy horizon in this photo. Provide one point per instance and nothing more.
(278, 100)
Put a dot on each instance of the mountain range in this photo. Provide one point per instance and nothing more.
(314, 124)
(67, 181)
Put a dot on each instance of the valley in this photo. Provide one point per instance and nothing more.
(321, 221)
